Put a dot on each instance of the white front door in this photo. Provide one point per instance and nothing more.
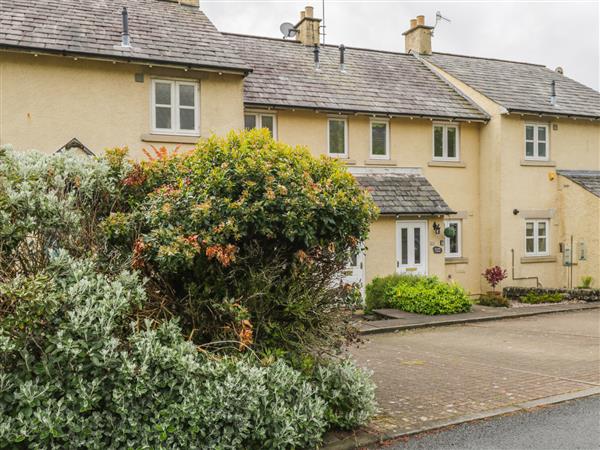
(355, 270)
(411, 247)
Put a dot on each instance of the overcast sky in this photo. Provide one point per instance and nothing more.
(563, 33)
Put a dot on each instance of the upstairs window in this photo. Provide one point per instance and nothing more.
(175, 107)
(536, 237)
(536, 141)
(453, 243)
(445, 142)
(380, 139)
(258, 120)
(337, 137)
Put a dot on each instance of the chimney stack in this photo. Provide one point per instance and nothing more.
(417, 39)
(308, 28)
(194, 3)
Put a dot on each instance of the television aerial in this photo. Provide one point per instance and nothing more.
(438, 19)
(288, 30)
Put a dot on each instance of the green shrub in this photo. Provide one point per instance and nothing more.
(80, 376)
(377, 292)
(348, 391)
(417, 294)
(430, 296)
(586, 282)
(534, 298)
(494, 300)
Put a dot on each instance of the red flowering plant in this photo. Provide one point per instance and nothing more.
(494, 275)
(244, 228)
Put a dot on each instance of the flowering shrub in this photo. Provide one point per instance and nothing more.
(494, 275)
(244, 228)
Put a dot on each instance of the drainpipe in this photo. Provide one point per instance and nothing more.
(537, 279)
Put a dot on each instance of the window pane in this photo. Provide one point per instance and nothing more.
(186, 95)
(529, 245)
(353, 261)
(529, 133)
(404, 245)
(267, 122)
(378, 137)
(542, 245)
(529, 229)
(453, 241)
(529, 148)
(541, 149)
(163, 93)
(451, 142)
(336, 136)
(542, 229)
(163, 117)
(249, 121)
(438, 142)
(541, 133)
(417, 245)
(187, 119)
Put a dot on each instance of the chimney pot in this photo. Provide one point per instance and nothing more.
(421, 20)
(413, 23)
(309, 11)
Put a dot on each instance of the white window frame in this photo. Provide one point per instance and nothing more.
(386, 122)
(536, 237)
(535, 141)
(447, 252)
(258, 115)
(444, 156)
(345, 121)
(175, 107)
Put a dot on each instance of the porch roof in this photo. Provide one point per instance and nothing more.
(587, 179)
(403, 193)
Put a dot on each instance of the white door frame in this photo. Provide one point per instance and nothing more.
(400, 268)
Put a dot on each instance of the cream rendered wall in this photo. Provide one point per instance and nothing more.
(580, 216)
(411, 145)
(46, 100)
(507, 184)
(534, 189)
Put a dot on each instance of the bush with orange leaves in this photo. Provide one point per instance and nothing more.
(244, 220)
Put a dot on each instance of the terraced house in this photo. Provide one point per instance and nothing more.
(473, 161)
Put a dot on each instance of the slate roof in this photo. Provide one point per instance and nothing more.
(396, 193)
(587, 179)
(521, 87)
(374, 81)
(161, 31)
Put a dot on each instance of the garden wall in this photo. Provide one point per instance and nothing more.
(589, 295)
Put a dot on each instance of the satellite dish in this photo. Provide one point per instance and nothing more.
(288, 30)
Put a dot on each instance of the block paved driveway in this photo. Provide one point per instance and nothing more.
(431, 375)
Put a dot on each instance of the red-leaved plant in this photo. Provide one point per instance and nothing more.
(494, 275)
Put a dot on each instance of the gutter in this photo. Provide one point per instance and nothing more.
(273, 106)
(551, 114)
(126, 59)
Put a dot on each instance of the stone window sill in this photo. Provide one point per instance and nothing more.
(457, 164)
(170, 138)
(380, 162)
(537, 259)
(457, 260)
(533, 163)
